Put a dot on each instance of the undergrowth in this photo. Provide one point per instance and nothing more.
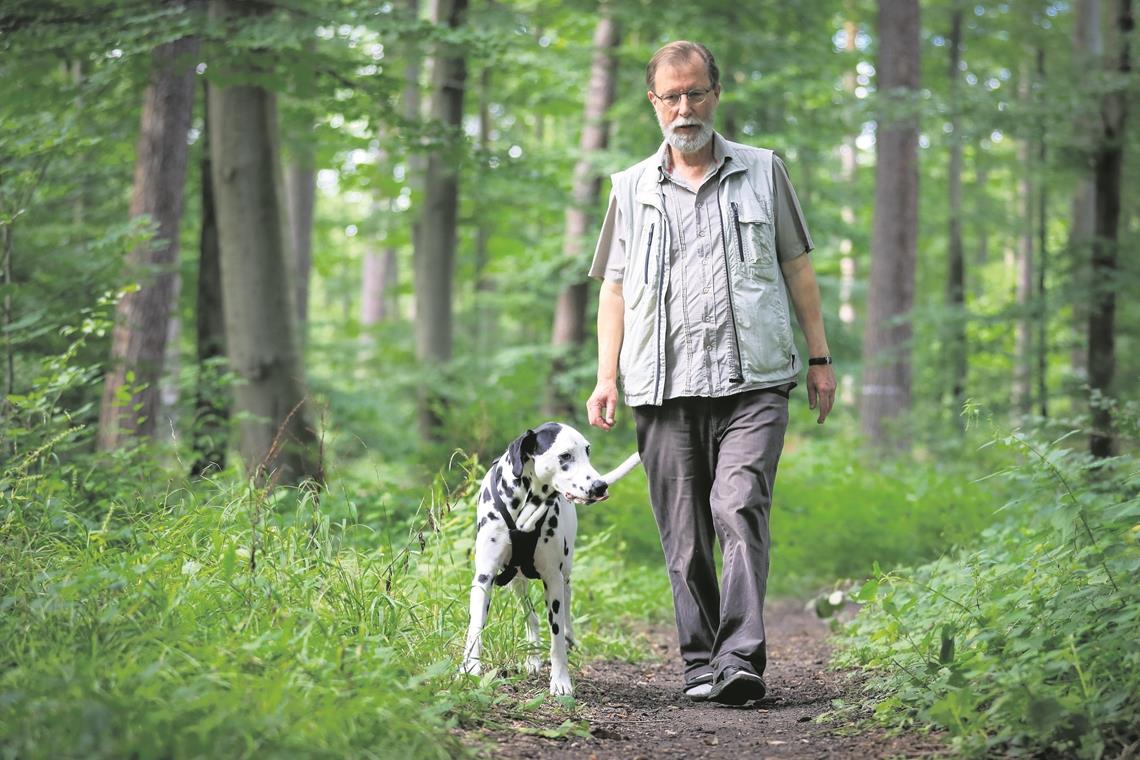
(225, 621)
(1024, 641)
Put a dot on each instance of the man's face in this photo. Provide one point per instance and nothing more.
(686, 127)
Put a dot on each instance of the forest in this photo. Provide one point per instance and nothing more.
(281, 279)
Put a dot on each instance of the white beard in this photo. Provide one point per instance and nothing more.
(686, 143)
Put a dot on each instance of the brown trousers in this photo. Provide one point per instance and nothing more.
(711, 464)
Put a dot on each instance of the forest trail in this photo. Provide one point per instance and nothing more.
(631, 711)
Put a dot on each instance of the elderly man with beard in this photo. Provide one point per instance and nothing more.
(702, 244)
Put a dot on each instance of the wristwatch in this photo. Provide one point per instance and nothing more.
(813, 361)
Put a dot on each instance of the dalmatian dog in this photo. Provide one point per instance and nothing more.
(525, 530)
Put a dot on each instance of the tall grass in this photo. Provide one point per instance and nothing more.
(225, 621)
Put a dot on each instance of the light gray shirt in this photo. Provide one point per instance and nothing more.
(700, 350)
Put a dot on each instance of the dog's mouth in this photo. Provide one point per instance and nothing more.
(583, 499)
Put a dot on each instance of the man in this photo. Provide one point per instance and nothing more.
(700, 247)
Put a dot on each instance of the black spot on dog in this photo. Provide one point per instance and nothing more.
(515, 502)
(550, 618)
(486, 495)
(535, 500)
(480, 524)
(550, 501)
(545, 489)
(555, 605)
(560, 566)
(494, 540)
(549, 532)
(492, 516)
(546, 540)
(553, 521)
(555, 508)
(482, 578)
(565, 547)
(526, 482)
(565, 467)
(554, 628)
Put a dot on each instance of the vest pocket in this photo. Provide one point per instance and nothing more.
(755, 237)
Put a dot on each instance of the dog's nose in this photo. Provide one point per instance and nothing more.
(598, 490)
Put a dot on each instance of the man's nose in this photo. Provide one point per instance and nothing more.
(684, 108)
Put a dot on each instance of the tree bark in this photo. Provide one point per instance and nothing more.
(1023, 269)
(131, 390)
(956, 275)
(570, 312)
(1109, 163)
(276, 442)
(436, 231)
(1088, 47)
(211, 397)
(301, 187)
(886, 341)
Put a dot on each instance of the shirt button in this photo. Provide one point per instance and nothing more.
(705, 290)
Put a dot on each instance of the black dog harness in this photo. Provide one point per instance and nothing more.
(523, 542)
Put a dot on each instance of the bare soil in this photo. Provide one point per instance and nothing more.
(632, 711)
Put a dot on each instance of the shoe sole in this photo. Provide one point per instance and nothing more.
(738, 689)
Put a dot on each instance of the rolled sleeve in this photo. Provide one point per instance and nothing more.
(609, 254)
(792, 236)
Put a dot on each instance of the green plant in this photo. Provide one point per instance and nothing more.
(1025, 640)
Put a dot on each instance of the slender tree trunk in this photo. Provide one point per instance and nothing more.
(211, 397)
(886, 342)
(982, 230)
(849, 164)
(1023, 268)
(1109, 165)
(1088, 47)
(570, 311)
(378, 302)
(484, 312)
(437, 225)
(131, 391)
(277, 443)
(301, 188)
(956, 276)
(1040, 306)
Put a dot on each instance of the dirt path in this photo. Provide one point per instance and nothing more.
(637, 711)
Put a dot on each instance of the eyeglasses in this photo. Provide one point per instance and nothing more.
(695, 97)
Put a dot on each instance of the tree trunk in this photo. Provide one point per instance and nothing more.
(131, 391)
(276, 442)
(378, 302)
(1023, 268)
(886, 342)
(956, 276)
(570, 311)
(211, 398)
(435, 237)
(301, 188)
(1109, 163)
(1040, 305)
(1088, 47)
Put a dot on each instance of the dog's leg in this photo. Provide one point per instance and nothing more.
(571, 642)
(490, 553)
(570, 531)
(533, 661)
(555, 587)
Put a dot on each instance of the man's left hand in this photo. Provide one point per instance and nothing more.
(821, 389)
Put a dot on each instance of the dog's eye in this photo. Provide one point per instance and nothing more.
(563, 458)
(587, 451)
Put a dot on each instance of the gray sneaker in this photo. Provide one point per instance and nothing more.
(737, 687)
(698, 689)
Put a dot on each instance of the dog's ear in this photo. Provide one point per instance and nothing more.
(520, 450)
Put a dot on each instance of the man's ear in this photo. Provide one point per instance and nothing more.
(520, 450)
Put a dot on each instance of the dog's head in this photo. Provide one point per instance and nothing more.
(560, 456)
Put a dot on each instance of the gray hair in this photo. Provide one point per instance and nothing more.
(680, 52)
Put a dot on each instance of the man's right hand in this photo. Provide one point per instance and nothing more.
(602, 404)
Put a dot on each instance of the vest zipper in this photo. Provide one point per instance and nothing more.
(736, 222)
(728, 287)
(648, 248)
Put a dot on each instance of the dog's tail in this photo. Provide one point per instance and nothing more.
(622, 469)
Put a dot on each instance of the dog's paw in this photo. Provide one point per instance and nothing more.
(561, 686)
(471, 668)
(533, 664)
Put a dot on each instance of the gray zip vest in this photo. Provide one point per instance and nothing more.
(758, 297)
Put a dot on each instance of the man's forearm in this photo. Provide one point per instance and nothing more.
(804, 290)
(611, 326)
